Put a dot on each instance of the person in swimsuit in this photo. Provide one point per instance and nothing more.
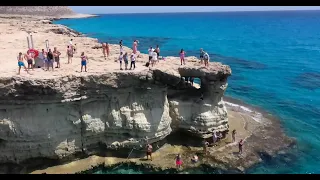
(149, 151)
(21, 63)
(206, 58)
(120, 59)
(178, 161)
(240, 146)
(50, 60)
(135, 46)
(29, 58)
(133, 61)
(205, 147)
(158, 51)
(107, 49)
(43, 56)
(125, 59)
(201, 55)
(69, 54)
(104, 50)
(233, 135)
(182, 55)
(56, 55)
(83, 61)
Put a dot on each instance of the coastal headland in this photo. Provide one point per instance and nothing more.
(67, 121)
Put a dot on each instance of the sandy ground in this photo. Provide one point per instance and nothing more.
(14, 32)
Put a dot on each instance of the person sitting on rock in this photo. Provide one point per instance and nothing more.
(194, 159)
(149, 151)
(214, 138)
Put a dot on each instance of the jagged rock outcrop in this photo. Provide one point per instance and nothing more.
(56, 118)
(37, 10)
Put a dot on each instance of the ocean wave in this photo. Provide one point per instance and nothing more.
(258, 117)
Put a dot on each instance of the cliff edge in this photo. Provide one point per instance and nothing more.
(58, 117)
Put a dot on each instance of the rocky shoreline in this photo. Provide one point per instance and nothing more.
(263, 137)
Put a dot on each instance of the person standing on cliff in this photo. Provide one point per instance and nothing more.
(56, 55)
(107, 49)
(50, 60)
(125, 59)
(120, 59)
(43, 57)
(201, 55)
(21, 63)
(150, 52)
(135, 46)
(182, 55)
(29, 59)
(83, 61)
(133, 61)
(120, 44)
(157, 51)
(149, 151)
(206, 58)
(69, 54)
(240, 146)
(233, 135)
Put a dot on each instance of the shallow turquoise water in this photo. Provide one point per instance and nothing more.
(274, 57)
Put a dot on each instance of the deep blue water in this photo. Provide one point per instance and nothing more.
(274, 57)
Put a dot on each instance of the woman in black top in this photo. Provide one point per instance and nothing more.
(50, 60)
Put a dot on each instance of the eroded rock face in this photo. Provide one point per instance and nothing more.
(56, 118)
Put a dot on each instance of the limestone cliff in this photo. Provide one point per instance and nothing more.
(37, 10)
(56, 118)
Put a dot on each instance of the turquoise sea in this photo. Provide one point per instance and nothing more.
(274, 57)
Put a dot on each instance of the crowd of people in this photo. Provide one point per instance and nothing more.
(50, 57)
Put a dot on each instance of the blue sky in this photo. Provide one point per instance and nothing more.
(157, 9)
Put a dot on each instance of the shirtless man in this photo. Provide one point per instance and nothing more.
(56, 55)
(29, 57)
(104, 45)
(21, 63)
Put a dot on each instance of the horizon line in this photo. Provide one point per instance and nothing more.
(209, 11)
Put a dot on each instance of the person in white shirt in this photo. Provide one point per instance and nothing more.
(120, 59)
(70, 42)
(133, 61)
(206, 58)
(154, 58)
(150, 51)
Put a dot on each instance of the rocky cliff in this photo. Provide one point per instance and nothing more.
(58, 117)
(37, 10)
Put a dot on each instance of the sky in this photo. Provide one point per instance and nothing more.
(157, 9)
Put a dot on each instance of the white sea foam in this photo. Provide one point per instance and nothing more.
(255, 115)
